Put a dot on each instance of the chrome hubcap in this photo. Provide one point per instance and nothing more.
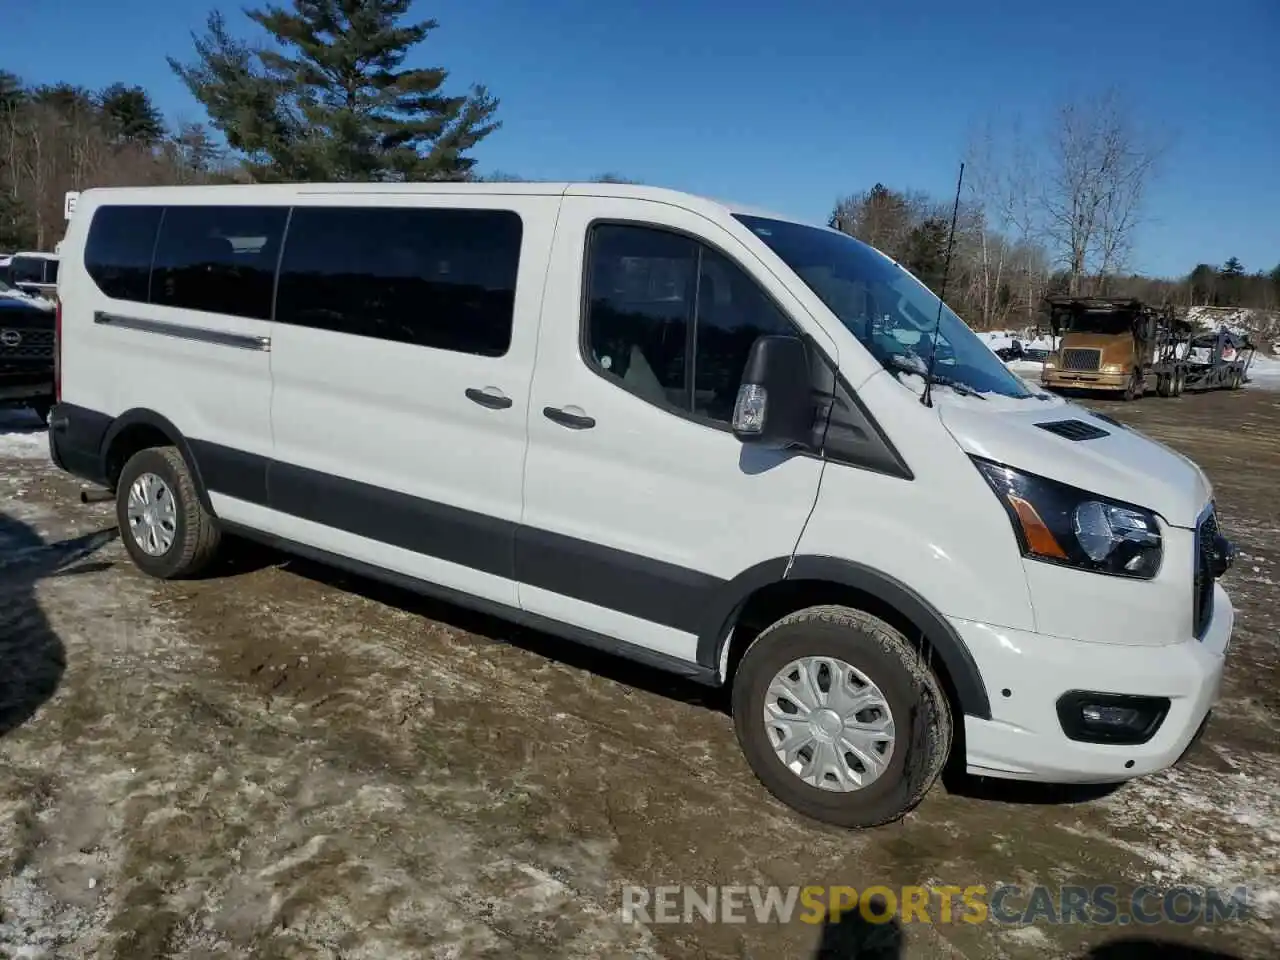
(829, 724)
(153, 516)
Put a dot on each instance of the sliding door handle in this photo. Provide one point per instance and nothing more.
(490, 397)
(571, 417)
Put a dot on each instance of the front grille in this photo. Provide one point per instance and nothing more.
(1079, 358)
(1202, 598)
(33, 345)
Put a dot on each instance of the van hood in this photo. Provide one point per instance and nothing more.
(1123, 465)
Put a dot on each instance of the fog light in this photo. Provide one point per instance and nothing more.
(1110, 717)
(1096, 715)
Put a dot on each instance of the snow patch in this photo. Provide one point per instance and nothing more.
(1032, 936)
(1264, 373)
(1206, 828)
(22, 435)
(31, 299)
(999, 339)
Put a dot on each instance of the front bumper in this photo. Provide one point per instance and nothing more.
(1026, 673)
(1084, 380)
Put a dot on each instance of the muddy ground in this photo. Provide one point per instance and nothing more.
(280, 761)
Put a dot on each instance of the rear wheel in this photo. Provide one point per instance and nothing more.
(1179, 382)
(1164, 385)
(166, 530)
(840, 717)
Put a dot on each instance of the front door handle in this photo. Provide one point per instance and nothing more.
(490, 397)
(571, 417)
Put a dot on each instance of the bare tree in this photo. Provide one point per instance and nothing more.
(986, 188)
(55, 139)
(1009, 268)
(1099, 163)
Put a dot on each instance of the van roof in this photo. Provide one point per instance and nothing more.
(280, 191)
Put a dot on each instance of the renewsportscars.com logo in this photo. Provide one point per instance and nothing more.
(1005, 903)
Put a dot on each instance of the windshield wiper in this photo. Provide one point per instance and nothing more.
(920, 370)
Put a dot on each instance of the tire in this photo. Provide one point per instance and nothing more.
(1164, 385)
(920, 714)
(1179, 382)
(195, 533)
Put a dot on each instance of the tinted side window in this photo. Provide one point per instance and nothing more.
(433, 278)
(117, 253)
(732, 312)
(649, 294)
(640, 304)
(220, 259)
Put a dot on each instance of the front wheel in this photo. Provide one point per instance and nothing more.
(1133, 389)
(840, 717)
(166, 530)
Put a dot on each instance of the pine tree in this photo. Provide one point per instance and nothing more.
(71, 103)
(1204, 282)
(130, 114)
(926, 252)
(1232, 272)
(332, 101)
(12, 92)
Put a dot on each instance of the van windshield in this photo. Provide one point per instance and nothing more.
(891, 313)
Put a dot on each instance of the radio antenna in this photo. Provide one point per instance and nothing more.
(927, 397)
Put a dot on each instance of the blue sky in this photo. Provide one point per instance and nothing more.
(788, 106)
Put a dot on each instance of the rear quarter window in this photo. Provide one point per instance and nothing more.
(118, 251)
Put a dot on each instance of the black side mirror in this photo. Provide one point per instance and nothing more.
(775, 407)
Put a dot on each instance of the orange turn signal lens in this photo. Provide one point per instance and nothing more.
(1039, 539)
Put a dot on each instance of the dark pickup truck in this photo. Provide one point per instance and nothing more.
(26, 355)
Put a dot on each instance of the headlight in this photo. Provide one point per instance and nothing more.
(1063, 524)
(1114, 368)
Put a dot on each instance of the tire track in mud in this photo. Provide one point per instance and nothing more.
(196, 820)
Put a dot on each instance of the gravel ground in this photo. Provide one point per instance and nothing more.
(281, 761)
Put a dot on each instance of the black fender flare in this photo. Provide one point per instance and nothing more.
(140, 416)
(971, 691)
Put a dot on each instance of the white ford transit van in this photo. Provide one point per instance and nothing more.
(695, 435)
